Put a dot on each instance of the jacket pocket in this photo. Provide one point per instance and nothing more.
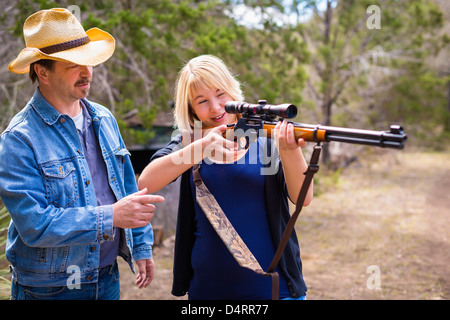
(120, 156)
(60, 183)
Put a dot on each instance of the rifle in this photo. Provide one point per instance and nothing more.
(260, 118)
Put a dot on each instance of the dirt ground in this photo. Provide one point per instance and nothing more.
(379, 229)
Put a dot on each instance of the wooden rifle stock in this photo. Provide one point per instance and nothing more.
(394, 138)
(307, 134)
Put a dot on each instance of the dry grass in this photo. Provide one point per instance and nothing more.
(390, 210)
(382, 212)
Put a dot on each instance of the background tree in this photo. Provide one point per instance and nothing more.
(154, 38)
(359, 55)
(319, 55)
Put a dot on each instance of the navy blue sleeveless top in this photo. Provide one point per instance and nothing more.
(239, 190)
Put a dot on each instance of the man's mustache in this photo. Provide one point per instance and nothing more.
(83, 81)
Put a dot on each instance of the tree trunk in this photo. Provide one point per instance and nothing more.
(326, 111)
(327, 78)
(447, 123)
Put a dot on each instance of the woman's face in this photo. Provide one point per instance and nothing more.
(209, 106)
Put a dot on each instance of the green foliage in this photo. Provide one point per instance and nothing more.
(5, 283)
(154, 38)
(418, 100)
(327, 181)
(340, 57)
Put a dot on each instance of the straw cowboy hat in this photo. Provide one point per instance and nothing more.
(56, 34)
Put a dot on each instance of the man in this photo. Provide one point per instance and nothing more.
(66, 176)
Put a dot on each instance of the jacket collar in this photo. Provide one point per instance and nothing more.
(50, 115)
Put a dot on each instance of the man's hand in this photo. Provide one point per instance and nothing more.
(135, 210)
(146, 272)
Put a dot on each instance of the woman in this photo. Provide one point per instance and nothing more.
(255, 204)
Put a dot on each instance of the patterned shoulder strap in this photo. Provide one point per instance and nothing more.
(231, 238)
(227, 233)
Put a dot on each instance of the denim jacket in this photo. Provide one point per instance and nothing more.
(56, 227)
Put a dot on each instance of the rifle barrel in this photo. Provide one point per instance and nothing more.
(394, 138)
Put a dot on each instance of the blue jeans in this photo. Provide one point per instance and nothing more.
(107, 288)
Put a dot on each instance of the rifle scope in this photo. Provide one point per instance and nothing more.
(282, 110)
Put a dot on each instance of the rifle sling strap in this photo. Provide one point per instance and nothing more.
(313, 167)
(231, 238)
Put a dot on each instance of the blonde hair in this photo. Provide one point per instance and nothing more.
(205, 71)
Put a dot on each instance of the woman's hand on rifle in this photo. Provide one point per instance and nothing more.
(294, 164)
(218, 148)
(285, 138)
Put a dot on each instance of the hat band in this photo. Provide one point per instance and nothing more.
(65, 45)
